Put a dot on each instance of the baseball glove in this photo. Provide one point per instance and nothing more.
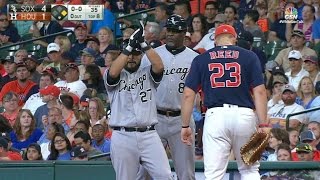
(252, 151)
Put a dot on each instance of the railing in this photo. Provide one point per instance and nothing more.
(297, 113)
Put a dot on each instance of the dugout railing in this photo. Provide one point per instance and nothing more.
(297, 113)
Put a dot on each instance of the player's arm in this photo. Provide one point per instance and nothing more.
(186, 110)
(156, 64)
(260, 101)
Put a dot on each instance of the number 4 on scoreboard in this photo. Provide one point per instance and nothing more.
(44, 8)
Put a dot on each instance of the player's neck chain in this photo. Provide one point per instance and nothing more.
(175, 51)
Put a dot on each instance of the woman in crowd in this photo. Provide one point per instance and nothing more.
(33, 152)
(293, 137)
(277, 136)
(231, 13)
(97, 112)
(308, 17)
(52, 130)
(64, 43)
(60, 147)
(284, 152)
(198, 29)
(312, 66)
(109, 57)
(11, 107)
(24, 130)
(105, 37)
(306, 92)
(93, 79)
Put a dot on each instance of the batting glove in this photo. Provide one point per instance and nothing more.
(143, 44)
(133, 43)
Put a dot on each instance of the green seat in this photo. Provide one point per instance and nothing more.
(272, 48)
(27, 36)
(35, 49)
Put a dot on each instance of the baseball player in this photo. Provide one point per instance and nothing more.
(131, 90)
(177, 60)
(226, 74)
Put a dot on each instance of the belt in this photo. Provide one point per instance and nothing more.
(222, 105)
(169, 113)
(134, 129)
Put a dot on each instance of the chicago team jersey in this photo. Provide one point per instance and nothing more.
(226, 75)
(132, 99)
(176, 68)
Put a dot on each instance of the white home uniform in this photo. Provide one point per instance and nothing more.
(76, 87)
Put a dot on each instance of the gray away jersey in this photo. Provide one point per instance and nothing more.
(132, 99)
(176, 67)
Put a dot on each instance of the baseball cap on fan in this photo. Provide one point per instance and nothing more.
(225, 29)
(53, 47)
(288, 87)
(50, 90)
(294, 54)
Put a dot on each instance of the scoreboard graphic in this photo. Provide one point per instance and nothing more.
(58, 12)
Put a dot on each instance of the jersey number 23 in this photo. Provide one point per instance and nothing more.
(231, 80)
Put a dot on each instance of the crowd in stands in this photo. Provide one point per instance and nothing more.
(55, 107)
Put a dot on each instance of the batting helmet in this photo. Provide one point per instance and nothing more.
(176, 22)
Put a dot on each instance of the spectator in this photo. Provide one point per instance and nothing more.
(78, 153)
(306, 92)
(284, 152)
(48, 27)
(278, 113)
(97, 112)
(152, 34)
(136, 6)
(60, 147)
(6, 155)
(207, 42)
(231, 13)
(210, 12)
(277, 136)
(8, 33)
(19, 55)
(93, 78)
(263, 21)
(105, 37)
(308, 19)
(3, 6)
(81, 33)
(198, 29)
(51, 130)
(161, 15)
(54, 54)
(35, 100)
(21, 86)
(93, 43)
(63, 42)
(297, 42)
(277, 84)
(32, 64)
(72, 83)
(183, 8)
(299, 4)
(296, 71)
(293, 137)
(316, 31)
(33, 152)
(49, 96)
(87, 57)
(23, 27)
(118, 6)
(250, 24)
(311, 64)
(24, 130)
(314, 126)
(98, 138)
(108, 59)
(83, 139)
(11, 107)
(66, 105)
(10, 68)
(305, 152)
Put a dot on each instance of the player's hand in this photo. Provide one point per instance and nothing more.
(133, 43)
(186, 136)
(144, 45)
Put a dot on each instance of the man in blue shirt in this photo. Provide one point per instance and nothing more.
(99, 141)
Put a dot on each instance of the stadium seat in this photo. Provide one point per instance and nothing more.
(35, 49)
(272, 48)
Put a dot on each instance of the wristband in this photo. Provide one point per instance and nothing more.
(264, 125)
(185, 126)
(145, 47)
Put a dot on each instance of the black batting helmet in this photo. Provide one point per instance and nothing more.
(176, 22)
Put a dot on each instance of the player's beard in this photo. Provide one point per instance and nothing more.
(132, 69)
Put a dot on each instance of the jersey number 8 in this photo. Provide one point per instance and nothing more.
(216, 78)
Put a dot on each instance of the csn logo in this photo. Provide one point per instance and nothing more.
(291, 16)
(291, 13)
